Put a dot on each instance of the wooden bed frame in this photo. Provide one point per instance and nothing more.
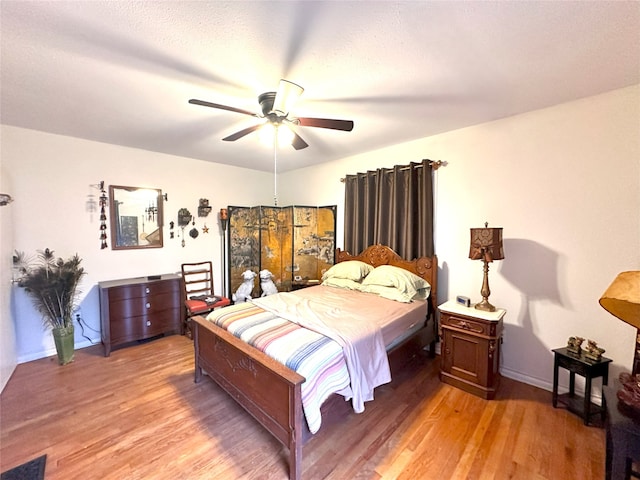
(270, 391)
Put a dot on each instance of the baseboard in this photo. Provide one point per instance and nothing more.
(52, 351)
(596, 394)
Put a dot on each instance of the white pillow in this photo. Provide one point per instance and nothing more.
(351, 270)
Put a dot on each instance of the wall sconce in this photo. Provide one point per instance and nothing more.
(224, 219)
(486, 245)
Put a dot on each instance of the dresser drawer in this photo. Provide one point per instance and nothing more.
(145, 326)
(133, 307)
(141, 290)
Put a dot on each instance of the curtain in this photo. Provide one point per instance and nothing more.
(390, 206)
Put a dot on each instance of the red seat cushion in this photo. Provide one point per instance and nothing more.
(195, 307)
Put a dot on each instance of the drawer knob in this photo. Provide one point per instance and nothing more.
(148, 323)
(148, 305)
(147, 290)
(464, 324)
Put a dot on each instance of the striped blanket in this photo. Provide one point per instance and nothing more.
(317, 358)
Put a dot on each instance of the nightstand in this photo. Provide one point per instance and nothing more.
(589, 369)
(470, 348)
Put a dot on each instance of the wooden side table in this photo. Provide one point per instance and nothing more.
(589, 369)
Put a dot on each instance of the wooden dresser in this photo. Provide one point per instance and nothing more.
(137, 308)
(471, 348)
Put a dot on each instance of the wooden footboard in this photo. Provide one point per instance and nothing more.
(270, 391)
(265, 388)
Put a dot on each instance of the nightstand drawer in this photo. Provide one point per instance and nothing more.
(473, 326)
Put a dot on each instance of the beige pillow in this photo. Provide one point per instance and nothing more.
(351, 270)
(342, 283)
(406, 282)
(391, 293)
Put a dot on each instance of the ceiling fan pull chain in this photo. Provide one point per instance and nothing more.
(275, 166)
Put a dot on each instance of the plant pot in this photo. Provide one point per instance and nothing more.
(65, 344)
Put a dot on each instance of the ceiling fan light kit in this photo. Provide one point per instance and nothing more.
(268, 130)
(275, 107)
(287, 96)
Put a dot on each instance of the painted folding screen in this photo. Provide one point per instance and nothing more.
(295, 243)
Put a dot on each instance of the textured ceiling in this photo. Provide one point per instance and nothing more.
(122, 72)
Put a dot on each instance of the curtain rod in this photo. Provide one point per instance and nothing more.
(434, 164)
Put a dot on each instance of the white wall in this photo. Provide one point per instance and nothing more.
(564, 183)
(8, 357)
(51, 177)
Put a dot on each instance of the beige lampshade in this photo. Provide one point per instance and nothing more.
(622, 298)
(486, 243)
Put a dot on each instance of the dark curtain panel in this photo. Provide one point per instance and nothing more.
(390, 206)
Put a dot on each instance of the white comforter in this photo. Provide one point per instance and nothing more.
(360, 338)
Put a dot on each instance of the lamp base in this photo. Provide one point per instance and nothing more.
(629, 395)
(485, 306)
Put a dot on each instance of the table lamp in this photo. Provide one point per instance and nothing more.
(486, 245)
(622, 299)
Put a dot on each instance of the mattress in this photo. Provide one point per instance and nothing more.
(395, 319)
(318, 358)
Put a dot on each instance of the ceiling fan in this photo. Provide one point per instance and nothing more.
(275, 108)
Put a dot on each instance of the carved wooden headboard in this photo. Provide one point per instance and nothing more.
(375, 255)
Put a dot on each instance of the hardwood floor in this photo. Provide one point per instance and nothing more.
(138, 415)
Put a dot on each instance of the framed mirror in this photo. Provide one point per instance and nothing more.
(136, 217)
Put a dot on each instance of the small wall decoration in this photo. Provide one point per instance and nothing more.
(184, 218)
(193, 233)
(103, 216)
(203, 207)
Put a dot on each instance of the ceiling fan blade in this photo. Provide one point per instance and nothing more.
(298, 143)
(286, 97)
(346, 125)
(221, 107)
(235, 136)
